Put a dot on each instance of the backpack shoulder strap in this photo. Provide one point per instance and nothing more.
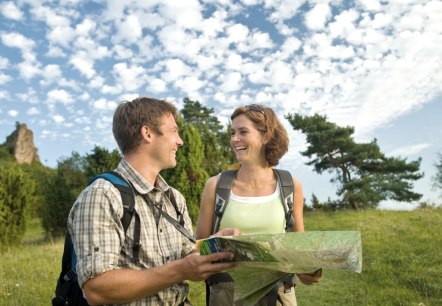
(287, 195)
(128, 200)
(222, 195)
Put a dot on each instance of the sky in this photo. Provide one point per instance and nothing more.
(373, 65)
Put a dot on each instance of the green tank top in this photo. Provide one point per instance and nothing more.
(255, 215)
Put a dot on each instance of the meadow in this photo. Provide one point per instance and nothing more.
(402, 263)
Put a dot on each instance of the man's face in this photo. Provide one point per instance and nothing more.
(166, 145)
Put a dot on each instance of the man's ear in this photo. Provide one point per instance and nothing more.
(146, 133)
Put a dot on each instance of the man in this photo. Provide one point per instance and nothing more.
(147, 135)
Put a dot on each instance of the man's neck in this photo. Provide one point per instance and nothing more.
(144, 167)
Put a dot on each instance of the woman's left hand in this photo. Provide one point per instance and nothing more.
(227, 232)
(310, 278)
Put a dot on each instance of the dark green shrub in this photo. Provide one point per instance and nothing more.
(17, 193)
(61, 189)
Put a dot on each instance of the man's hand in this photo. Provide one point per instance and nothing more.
(199, 267)
(310, 278)
(227, 232)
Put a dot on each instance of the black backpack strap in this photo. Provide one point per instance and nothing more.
(179, 225)
(128, 199)
(222, 195)
(172, 200)
(287, 195)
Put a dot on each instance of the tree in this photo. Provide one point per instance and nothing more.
(189, 175)
(365, 176)
(100, 160)
(62, 189)
(212, 134)
(437, 178)
(16, 196)
(228, 157)
(38, 173)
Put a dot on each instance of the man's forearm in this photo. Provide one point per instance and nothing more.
(125, 285)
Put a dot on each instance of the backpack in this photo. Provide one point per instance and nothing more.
(68, 291)
(222, 195)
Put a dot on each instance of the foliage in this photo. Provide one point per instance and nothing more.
(61, 189)
(16, 195)
(365, 176)
(437, 178)
(38, 173)
(211, 131)
(5, 153)
(227, 154)
(189, 175)
(100, 160)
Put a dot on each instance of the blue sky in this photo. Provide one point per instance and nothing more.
(374, 65)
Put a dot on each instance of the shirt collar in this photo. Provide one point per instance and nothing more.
(140, 184)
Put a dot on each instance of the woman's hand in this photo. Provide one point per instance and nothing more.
(310, 278)
(227, 232)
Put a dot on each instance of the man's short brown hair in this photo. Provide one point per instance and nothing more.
(131, 116)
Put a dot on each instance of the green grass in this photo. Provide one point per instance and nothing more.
(402, 263)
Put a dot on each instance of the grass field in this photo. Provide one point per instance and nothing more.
(402, 263)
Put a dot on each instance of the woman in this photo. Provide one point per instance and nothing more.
(259, 140)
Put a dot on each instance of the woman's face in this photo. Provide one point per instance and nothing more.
(246, 141)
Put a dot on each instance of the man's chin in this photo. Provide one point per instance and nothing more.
(171, 166)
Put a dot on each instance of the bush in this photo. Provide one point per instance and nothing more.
(17, 193)
(39, 174)
(61, 190)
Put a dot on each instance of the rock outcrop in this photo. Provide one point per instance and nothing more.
(21, 141)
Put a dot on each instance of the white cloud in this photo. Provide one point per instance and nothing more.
(83, 63)
(175, 68)
(28, 69)
(409, 150)
(189, 84)
(58, 119)
(317, 17)
(51, 73)
(284, 9)
(185, 13)
(237, 33)
(122, 53)
(59, 96)
(4, 63)
(4, 78)
(61, 35)
(33, 111)
(128, 30)
(231, 82)
(11, 11)
(54, 51)
(130, 78)
(371, 5)
(50, 16)
(344, 24)
(13, 113)
(17, 40)
(157, 86)
(103, 104)
(85, 28)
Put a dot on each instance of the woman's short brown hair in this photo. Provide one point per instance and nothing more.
(266, 121)
(130, 117)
